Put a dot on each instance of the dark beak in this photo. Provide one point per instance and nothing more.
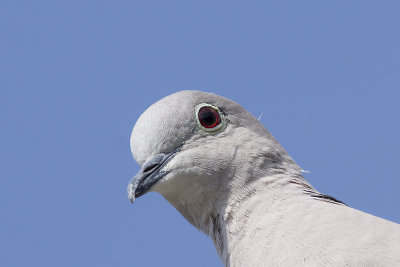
(150, 173)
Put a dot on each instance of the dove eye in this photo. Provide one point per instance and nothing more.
(208, 117)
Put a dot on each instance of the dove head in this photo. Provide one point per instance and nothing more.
(189, 146)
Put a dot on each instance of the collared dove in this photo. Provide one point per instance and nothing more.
(230, 178)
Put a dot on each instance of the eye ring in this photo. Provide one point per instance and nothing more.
(209, 118)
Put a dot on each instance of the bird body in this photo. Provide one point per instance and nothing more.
(230, 178)
(304, 232)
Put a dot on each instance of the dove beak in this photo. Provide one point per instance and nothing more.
(150, 173)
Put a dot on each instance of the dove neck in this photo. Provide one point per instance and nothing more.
(247, 204)
(232, 198)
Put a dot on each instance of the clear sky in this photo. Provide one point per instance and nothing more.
(75, 76)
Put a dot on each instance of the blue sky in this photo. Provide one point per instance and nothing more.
(75, 76)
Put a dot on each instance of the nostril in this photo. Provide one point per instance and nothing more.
(150, 168)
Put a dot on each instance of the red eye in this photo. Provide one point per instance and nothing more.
(208, 117)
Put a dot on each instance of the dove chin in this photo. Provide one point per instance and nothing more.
(151, 172)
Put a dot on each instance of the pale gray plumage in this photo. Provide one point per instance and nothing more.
(242, 189)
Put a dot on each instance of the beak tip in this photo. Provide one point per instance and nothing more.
(131, 198)
(131, 193)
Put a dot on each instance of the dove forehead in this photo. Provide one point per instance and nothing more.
(167, 123)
